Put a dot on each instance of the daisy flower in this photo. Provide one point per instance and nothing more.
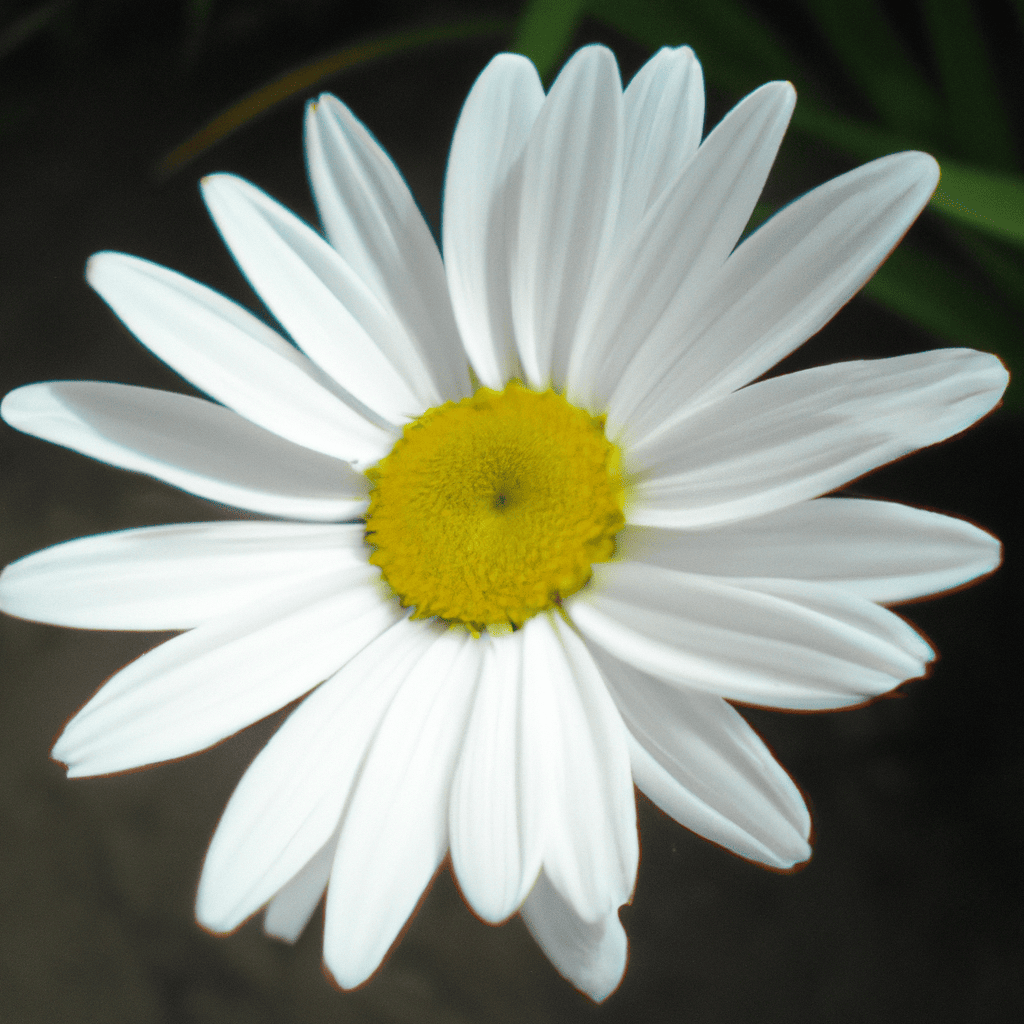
(534, 521)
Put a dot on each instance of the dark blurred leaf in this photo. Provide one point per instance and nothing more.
(864, 140)
(1001, 264)
(1019, 4)
(199, 12)
(932, 294)
(545, 30)
(29, 25)
(295, 82)
(740, 53)
(977, 118)
(875, 59)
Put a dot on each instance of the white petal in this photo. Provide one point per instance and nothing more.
(330, 313)
(577, 782)
(479, 196)
(880, 550)
(225, 351)
(777, 289)
(195, 445)
(590, 954)
(204, 685)
(492, 861)
(288, 804)
(173, 577)
(795, 437)
(572, 172)
(663, 110)
(289, 911)
(701, 763)
(680, 245)
(395, 832)
(804, 645)
(372, 221)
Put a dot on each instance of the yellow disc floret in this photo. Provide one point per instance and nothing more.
(490, 510)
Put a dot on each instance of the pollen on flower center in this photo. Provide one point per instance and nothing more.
(490, 510)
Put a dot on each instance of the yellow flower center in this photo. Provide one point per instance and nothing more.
(490, 510)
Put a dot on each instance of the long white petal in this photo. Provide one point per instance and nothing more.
(803, 645)
(663, 111)
(236, 359)
(677, 249)
(327, 309)
(777, 289)
(479, 192)
(795, 437)
(373, 222)
(395, 832)
(572, 172)
(696, 757)
(492, 860)
(288, 804)
(577, 782)
(880, 550)
(204, 685)
(173, 577)
(590, 954)
(189, 443)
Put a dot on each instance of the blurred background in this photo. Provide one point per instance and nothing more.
(911, 908)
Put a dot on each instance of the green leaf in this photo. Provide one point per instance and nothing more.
(283, 88)
(545, 30)
(991, 201)
(977, 118)
(930, 293)
(876, 60)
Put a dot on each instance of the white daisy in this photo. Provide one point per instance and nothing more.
(599, 530)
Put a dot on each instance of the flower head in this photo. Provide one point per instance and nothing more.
(545, 526)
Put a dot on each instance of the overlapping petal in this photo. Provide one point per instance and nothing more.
(794, 437)
(204, 685)
(681, 243)
(568, 204)
(289, 911)
(796, 645)
(777, 289)
(236, 359)
(496, 858)
(590, 954)
(188, 443)
(663, 114)
(331, 314)
(287, 807)
(697, 758)
(575, 767)
(480, 197)
(395, 832)
(879, 550)
(372, 221)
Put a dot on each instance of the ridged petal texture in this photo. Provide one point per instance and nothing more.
(591, 244)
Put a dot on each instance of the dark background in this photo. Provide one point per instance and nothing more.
(910, 909)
